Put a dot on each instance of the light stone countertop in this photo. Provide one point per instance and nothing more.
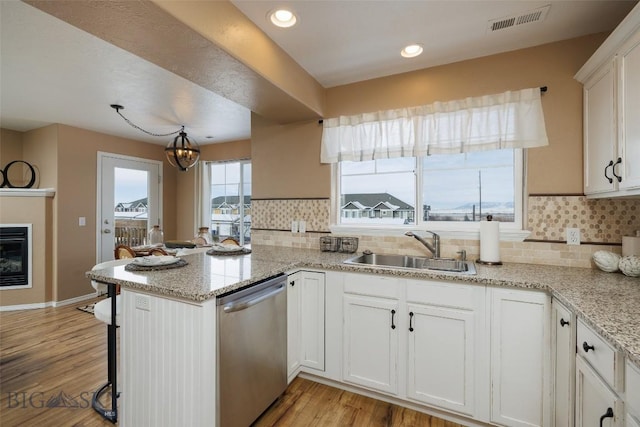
(608, 302)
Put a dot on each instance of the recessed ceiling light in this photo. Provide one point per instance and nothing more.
(411, 51)
(283, 18)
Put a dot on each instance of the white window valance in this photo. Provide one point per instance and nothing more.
(511, 119)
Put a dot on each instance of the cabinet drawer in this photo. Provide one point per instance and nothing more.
(595, 350)
(632, 388)
(377, 286)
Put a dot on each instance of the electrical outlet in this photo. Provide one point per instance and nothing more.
(294, 226)
(302, 226)
(143, 303)
(573, 236)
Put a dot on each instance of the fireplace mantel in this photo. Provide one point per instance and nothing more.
(27, 192)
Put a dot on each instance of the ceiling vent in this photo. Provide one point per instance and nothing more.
(536, 15)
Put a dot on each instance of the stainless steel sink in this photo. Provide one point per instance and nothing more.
(414, 263)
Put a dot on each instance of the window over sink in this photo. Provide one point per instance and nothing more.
(443, 192)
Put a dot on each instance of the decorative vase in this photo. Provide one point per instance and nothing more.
(156, 236)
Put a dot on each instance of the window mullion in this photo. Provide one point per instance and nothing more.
(418, 185)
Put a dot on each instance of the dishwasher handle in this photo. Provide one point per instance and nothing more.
(254, 299)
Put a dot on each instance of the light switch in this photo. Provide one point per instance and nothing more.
(302, 226)
(82, 221)
(294, 226)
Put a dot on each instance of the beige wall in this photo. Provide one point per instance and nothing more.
(66, 159)
(555, 169)
(10, 150)
(285, 160)
(187, 182)
(38, 212)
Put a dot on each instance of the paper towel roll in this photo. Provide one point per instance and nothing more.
(490, 241)
(630, 245)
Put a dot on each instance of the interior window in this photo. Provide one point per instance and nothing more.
(230, 200)
(448, 189)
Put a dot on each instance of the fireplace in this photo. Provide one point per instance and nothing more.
(15, 256)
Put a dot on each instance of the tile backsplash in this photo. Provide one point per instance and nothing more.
(602, 224)
(599, 220)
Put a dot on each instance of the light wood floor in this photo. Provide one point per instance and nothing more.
(46, 352)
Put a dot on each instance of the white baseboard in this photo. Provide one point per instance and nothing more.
(25, 306)
(49, 303)
(74, 300)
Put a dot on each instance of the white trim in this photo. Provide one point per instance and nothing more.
(29, 284)
(25, 306)
(74, 300)
(506, 234)
(27, 192)
(48, 303)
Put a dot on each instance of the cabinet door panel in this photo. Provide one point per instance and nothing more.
(441, 357)
(599, 130)
(311, 290)
(370, 343)
(563, 330)
(520, 358)
(293, 325)
(629, 108)
(593, 398)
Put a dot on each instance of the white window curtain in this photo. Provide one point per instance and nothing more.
(511, 119)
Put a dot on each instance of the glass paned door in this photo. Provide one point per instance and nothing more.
(129, 201)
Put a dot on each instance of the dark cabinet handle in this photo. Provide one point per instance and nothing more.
(563, 323)
(608, 414)
(292, 283)
(411, 321)
(393, 313)
(610, 165)
(586, 347)
(613, 169)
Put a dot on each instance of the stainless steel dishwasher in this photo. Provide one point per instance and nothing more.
(252, 351)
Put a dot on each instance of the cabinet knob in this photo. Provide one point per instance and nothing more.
(393, 325)
(563, 322)
(608, 414)
(610, 165)
(586, 347)
(613, 169)
(292, 283)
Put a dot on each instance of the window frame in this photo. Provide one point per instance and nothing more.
(509, 231)
(205, 208)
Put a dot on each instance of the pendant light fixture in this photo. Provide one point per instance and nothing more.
(181, 153)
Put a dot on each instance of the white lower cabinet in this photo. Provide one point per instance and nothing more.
(596, 404)
(371, 342)
(520, 357)
(632, 421)
(305, 321)
(563, 336)
(445, 351)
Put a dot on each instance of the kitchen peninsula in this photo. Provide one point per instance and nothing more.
(168, 328)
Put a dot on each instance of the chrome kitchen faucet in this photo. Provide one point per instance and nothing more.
(435, 248)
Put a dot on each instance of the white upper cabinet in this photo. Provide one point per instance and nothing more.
(629, 117)
(611, 79)
(600, 131)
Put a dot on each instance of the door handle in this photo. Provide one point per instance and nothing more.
(107, 231)
(411, 321)
(393, 313)
(610, 165)
(608, 414)
(613, 169)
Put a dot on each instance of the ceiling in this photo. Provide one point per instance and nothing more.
(52, 72)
